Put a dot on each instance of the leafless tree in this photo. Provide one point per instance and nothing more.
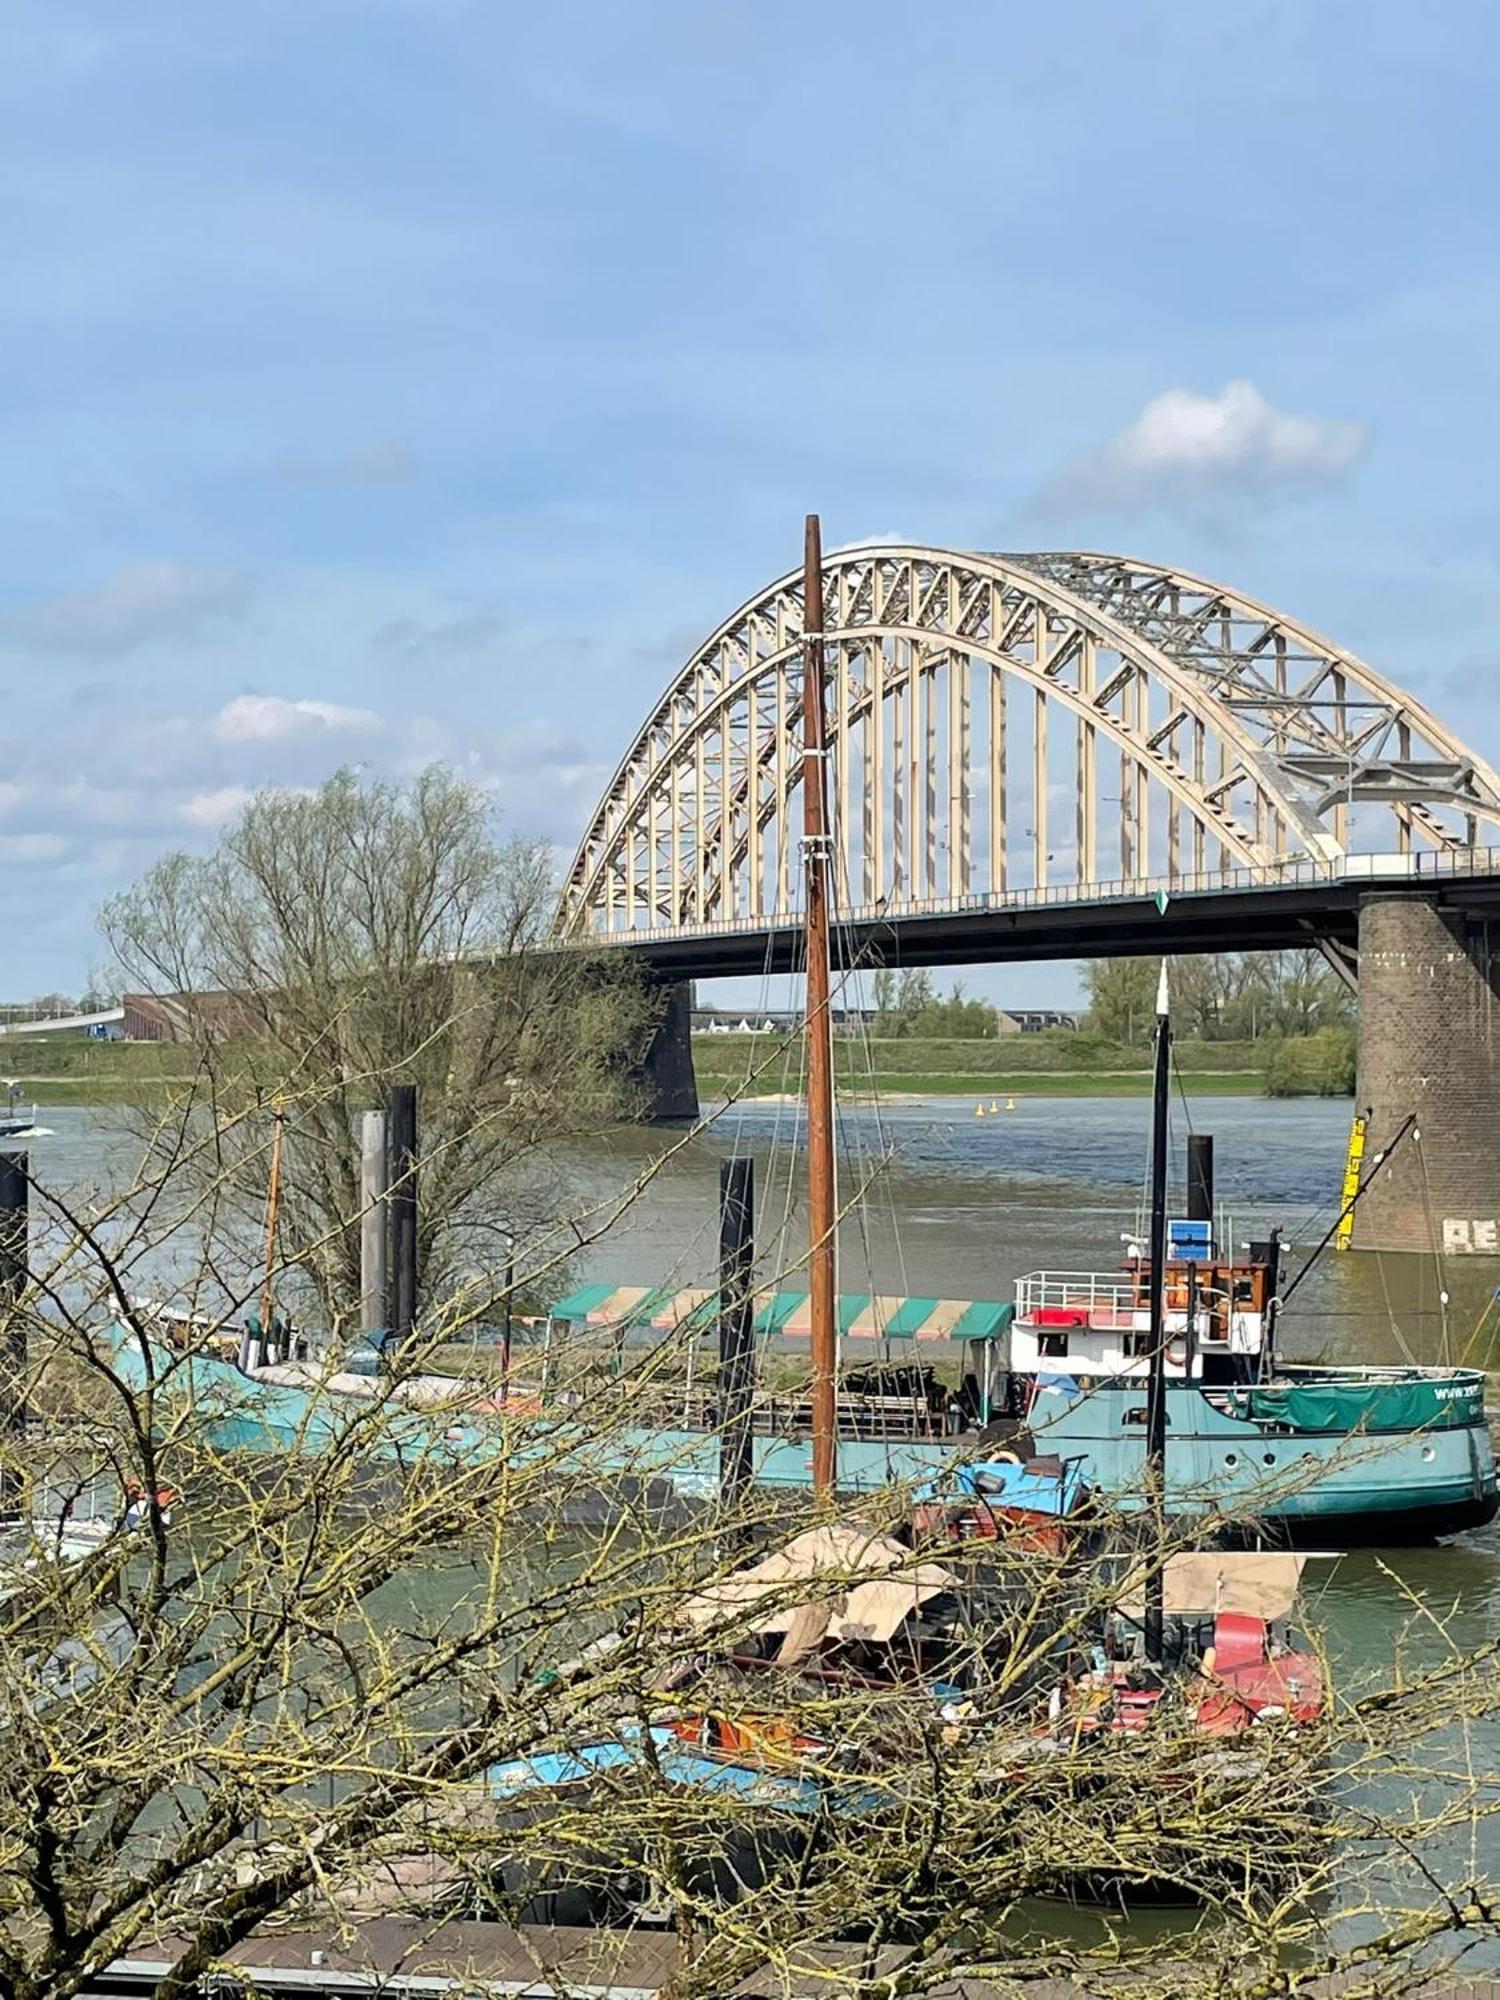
(370, 931)
(289, 1693)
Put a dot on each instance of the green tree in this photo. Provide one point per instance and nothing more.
(955, 1017)
(908, 1003)
(1220, 996)
(1318, 1065)
(900, 997)
(1122, 997)
(1298, 993)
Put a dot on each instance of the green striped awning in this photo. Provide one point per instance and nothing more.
(858, 1315)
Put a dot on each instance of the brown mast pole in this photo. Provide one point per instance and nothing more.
(820, 1195)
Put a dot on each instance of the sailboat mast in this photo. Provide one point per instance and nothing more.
(819, 1025)
(1156, 1389)
(273, 1207)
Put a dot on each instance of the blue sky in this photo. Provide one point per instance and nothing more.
(386, 379)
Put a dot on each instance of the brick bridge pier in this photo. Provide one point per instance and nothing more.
(1429, 1040)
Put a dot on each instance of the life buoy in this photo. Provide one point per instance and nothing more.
(1177, 1353)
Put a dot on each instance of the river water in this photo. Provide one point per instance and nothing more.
(960, 1206)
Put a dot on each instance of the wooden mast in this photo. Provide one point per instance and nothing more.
(273, 1205)
(816, 849)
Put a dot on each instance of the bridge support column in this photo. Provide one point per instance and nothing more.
(1429, 1040)
(668, 1082)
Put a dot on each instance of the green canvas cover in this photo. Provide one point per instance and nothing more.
(1411, 1403)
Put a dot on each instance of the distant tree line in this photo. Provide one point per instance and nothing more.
(1292, 1001)
(908, 1003)
(1236, 996)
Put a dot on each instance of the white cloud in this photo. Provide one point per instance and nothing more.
(32, 846)
(215, 808)
(1184, 447)
(271, 718)
(11, 796)
(137, 606)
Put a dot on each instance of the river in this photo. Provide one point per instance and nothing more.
(960, 1205)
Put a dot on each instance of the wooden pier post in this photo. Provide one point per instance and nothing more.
(401, 1141)
(374, 1180)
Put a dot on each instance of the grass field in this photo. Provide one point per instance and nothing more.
(74, 1070)
(71, 1069)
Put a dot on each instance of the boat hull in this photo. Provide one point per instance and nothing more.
(1308, 1486)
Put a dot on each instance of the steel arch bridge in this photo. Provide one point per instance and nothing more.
(1008, 731)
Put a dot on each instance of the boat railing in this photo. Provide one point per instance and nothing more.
(1113, 1303)
(789, 1415)
(1108, 1301)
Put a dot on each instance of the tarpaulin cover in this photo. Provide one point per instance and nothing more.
(865, 1585)
(1252, 1584)
(1403, 1404)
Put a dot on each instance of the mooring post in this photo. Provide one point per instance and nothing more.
(374, 1179)
(507, 1326)
(14, 1245)
(736, 1330)
(401, 1141)
(1200, 1177)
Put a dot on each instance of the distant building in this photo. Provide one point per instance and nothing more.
(1032, 1020)
(847, 1020)
(181, 1017)
(773, 1021)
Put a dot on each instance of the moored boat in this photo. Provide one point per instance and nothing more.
(800, 1734)
(1370, 1454)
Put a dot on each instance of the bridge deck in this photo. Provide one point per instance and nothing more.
(1296, 904)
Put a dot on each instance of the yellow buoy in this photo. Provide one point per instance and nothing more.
(1010, 1104)
(994, 1107)
(978, 1110)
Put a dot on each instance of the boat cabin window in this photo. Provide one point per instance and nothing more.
(1139, 1415)
(1053, 1341)
(1137, 1345)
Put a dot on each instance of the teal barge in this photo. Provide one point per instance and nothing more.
(1321, 1455)
(1315, 1455)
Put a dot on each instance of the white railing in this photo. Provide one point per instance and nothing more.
(1108, 1301)
(1294, 872)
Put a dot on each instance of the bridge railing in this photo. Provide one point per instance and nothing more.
(1294, 872)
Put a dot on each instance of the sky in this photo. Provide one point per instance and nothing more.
(385, 380)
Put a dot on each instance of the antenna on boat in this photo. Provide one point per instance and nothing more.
(1156, 1390)
(818, 1022)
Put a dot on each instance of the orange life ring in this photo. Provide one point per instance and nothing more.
(1177, 1353)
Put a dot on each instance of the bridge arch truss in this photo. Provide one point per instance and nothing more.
(1003, 724)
